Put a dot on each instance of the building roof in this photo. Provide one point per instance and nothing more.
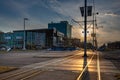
(33, 30)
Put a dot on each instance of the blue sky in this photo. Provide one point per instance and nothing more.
(42, 12)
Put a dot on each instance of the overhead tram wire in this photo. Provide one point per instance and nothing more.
(76, 33)
(57, 14)
(78, 23)
(68, 15)
(74, 30)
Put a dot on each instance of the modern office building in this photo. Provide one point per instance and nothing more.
(63, 27)
(37, 38)
(8, 39)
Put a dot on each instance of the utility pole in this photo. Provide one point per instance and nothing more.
(85, 29)
(95, 38)
(94, 27)
(93, 34)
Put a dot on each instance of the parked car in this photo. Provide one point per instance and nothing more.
(5, 48)
(2, 48)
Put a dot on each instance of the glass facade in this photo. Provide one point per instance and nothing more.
(41, 38)
(63, 27)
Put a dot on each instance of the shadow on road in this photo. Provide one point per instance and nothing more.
(85, 75)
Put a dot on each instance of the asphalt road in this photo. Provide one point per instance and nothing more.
(19, 59)
(72, 67)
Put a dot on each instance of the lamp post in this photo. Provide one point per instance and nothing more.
(85, 29)
(24, 42)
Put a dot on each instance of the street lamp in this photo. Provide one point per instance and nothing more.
(24, 42)
(85, 11)
(85, 28)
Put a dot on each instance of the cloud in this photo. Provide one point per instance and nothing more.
(112, 14)
(105, 37)
(41, 12)
(10, 23)
(65, 10)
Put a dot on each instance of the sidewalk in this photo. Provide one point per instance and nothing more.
(108, 70)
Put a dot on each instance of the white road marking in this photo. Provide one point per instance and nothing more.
(46, 63)
(98, 66)
(78, 78)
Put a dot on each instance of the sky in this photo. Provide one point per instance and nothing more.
(42, 12)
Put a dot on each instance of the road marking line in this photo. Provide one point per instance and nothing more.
(32, 75)
(85, 68)
(98, 66)
(54, 61)
(12, 75)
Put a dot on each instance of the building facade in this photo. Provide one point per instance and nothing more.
(1, 38)
(37, 38)
(63, 27)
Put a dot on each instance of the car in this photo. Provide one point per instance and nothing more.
(3, 48)
(9, 49)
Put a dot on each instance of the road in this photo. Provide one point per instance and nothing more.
(72, 67)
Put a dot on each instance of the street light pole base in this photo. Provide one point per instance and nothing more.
(84, 56)
(24, 48)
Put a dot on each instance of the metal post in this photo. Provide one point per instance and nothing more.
(31, 40)
(85, 29)
(93, 25)
(24, 42)
(93, 32)
(24, 46)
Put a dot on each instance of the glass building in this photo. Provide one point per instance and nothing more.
(63, 27)
(37, 38)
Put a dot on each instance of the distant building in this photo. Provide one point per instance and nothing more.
(37, 38)
(1, 38)
(74, 42)
(63, 27)
(8, 39)
(114, 45)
